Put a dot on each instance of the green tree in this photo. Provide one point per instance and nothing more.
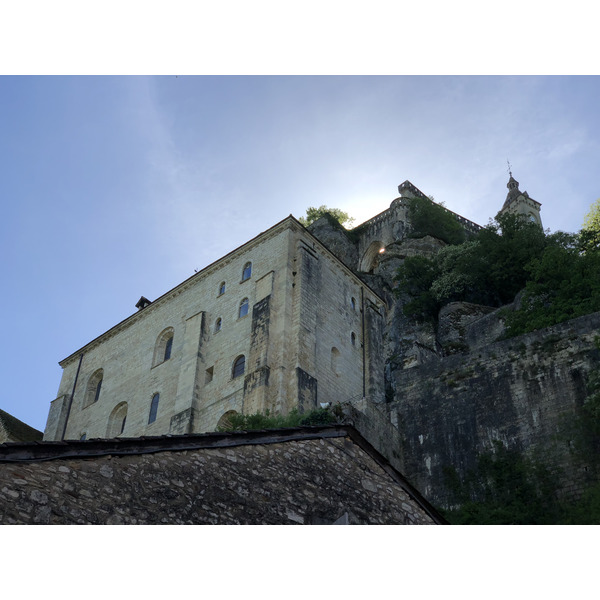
(592, 219)
(563, 283)
(312, 214)
(429, 218)
(590, 232)
(490, 269)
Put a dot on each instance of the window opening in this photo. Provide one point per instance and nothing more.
(247, 271)
(222, 288)
(94, 385)
(153, 409)
(335, 358)
(353, 303)
(168, 348)
(97, 394)
(353, 339)
(239, 366)
(243, 308)
(218, 324)
(209, 374)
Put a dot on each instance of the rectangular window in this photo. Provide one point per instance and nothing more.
(209, 374)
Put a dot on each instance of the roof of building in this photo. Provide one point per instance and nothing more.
(16, 430)
(73, 449)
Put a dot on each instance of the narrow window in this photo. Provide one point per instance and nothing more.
(243, 308)
(353, 302)
(97, 394)
(153, 408)
(218, 324)
(222, 288)
(247, 271)
(239, 366)
(353, 339)
(168, 347)
(82, 438)
(209, 374)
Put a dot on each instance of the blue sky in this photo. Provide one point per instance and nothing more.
(117, 187)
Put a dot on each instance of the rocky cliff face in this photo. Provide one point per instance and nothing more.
(454, 390)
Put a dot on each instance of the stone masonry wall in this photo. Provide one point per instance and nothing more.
(295, 482)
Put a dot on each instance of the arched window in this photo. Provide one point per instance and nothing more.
(239, 365)
(92, 391)
(247, 271)
(353, 338)
(353, 303)
(116, 420)
(243, 308)
(163, 347)
(335, 360)
(218, 324)
(224, 423)
(222, 288)
(153, 408)
(83, 437)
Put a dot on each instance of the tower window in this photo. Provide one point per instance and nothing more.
(218, 324)
(353, 339)
(247, 271)
(222, 288)
(353, 303)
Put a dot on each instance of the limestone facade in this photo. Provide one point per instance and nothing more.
(277, 324)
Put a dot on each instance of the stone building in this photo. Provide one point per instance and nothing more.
(519, 203)
(277, 324)
(306, 475)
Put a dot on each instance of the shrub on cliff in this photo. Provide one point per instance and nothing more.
(429, 218)
(560, 273)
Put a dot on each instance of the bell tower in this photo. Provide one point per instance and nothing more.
(519, 203)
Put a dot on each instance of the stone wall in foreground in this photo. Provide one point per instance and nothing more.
(305, 481)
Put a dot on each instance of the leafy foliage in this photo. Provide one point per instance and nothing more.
(564, 283)
(312, 214)
(239, 422)
(505, 488)
(429, 218)
(592, 219)
(559, 272)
